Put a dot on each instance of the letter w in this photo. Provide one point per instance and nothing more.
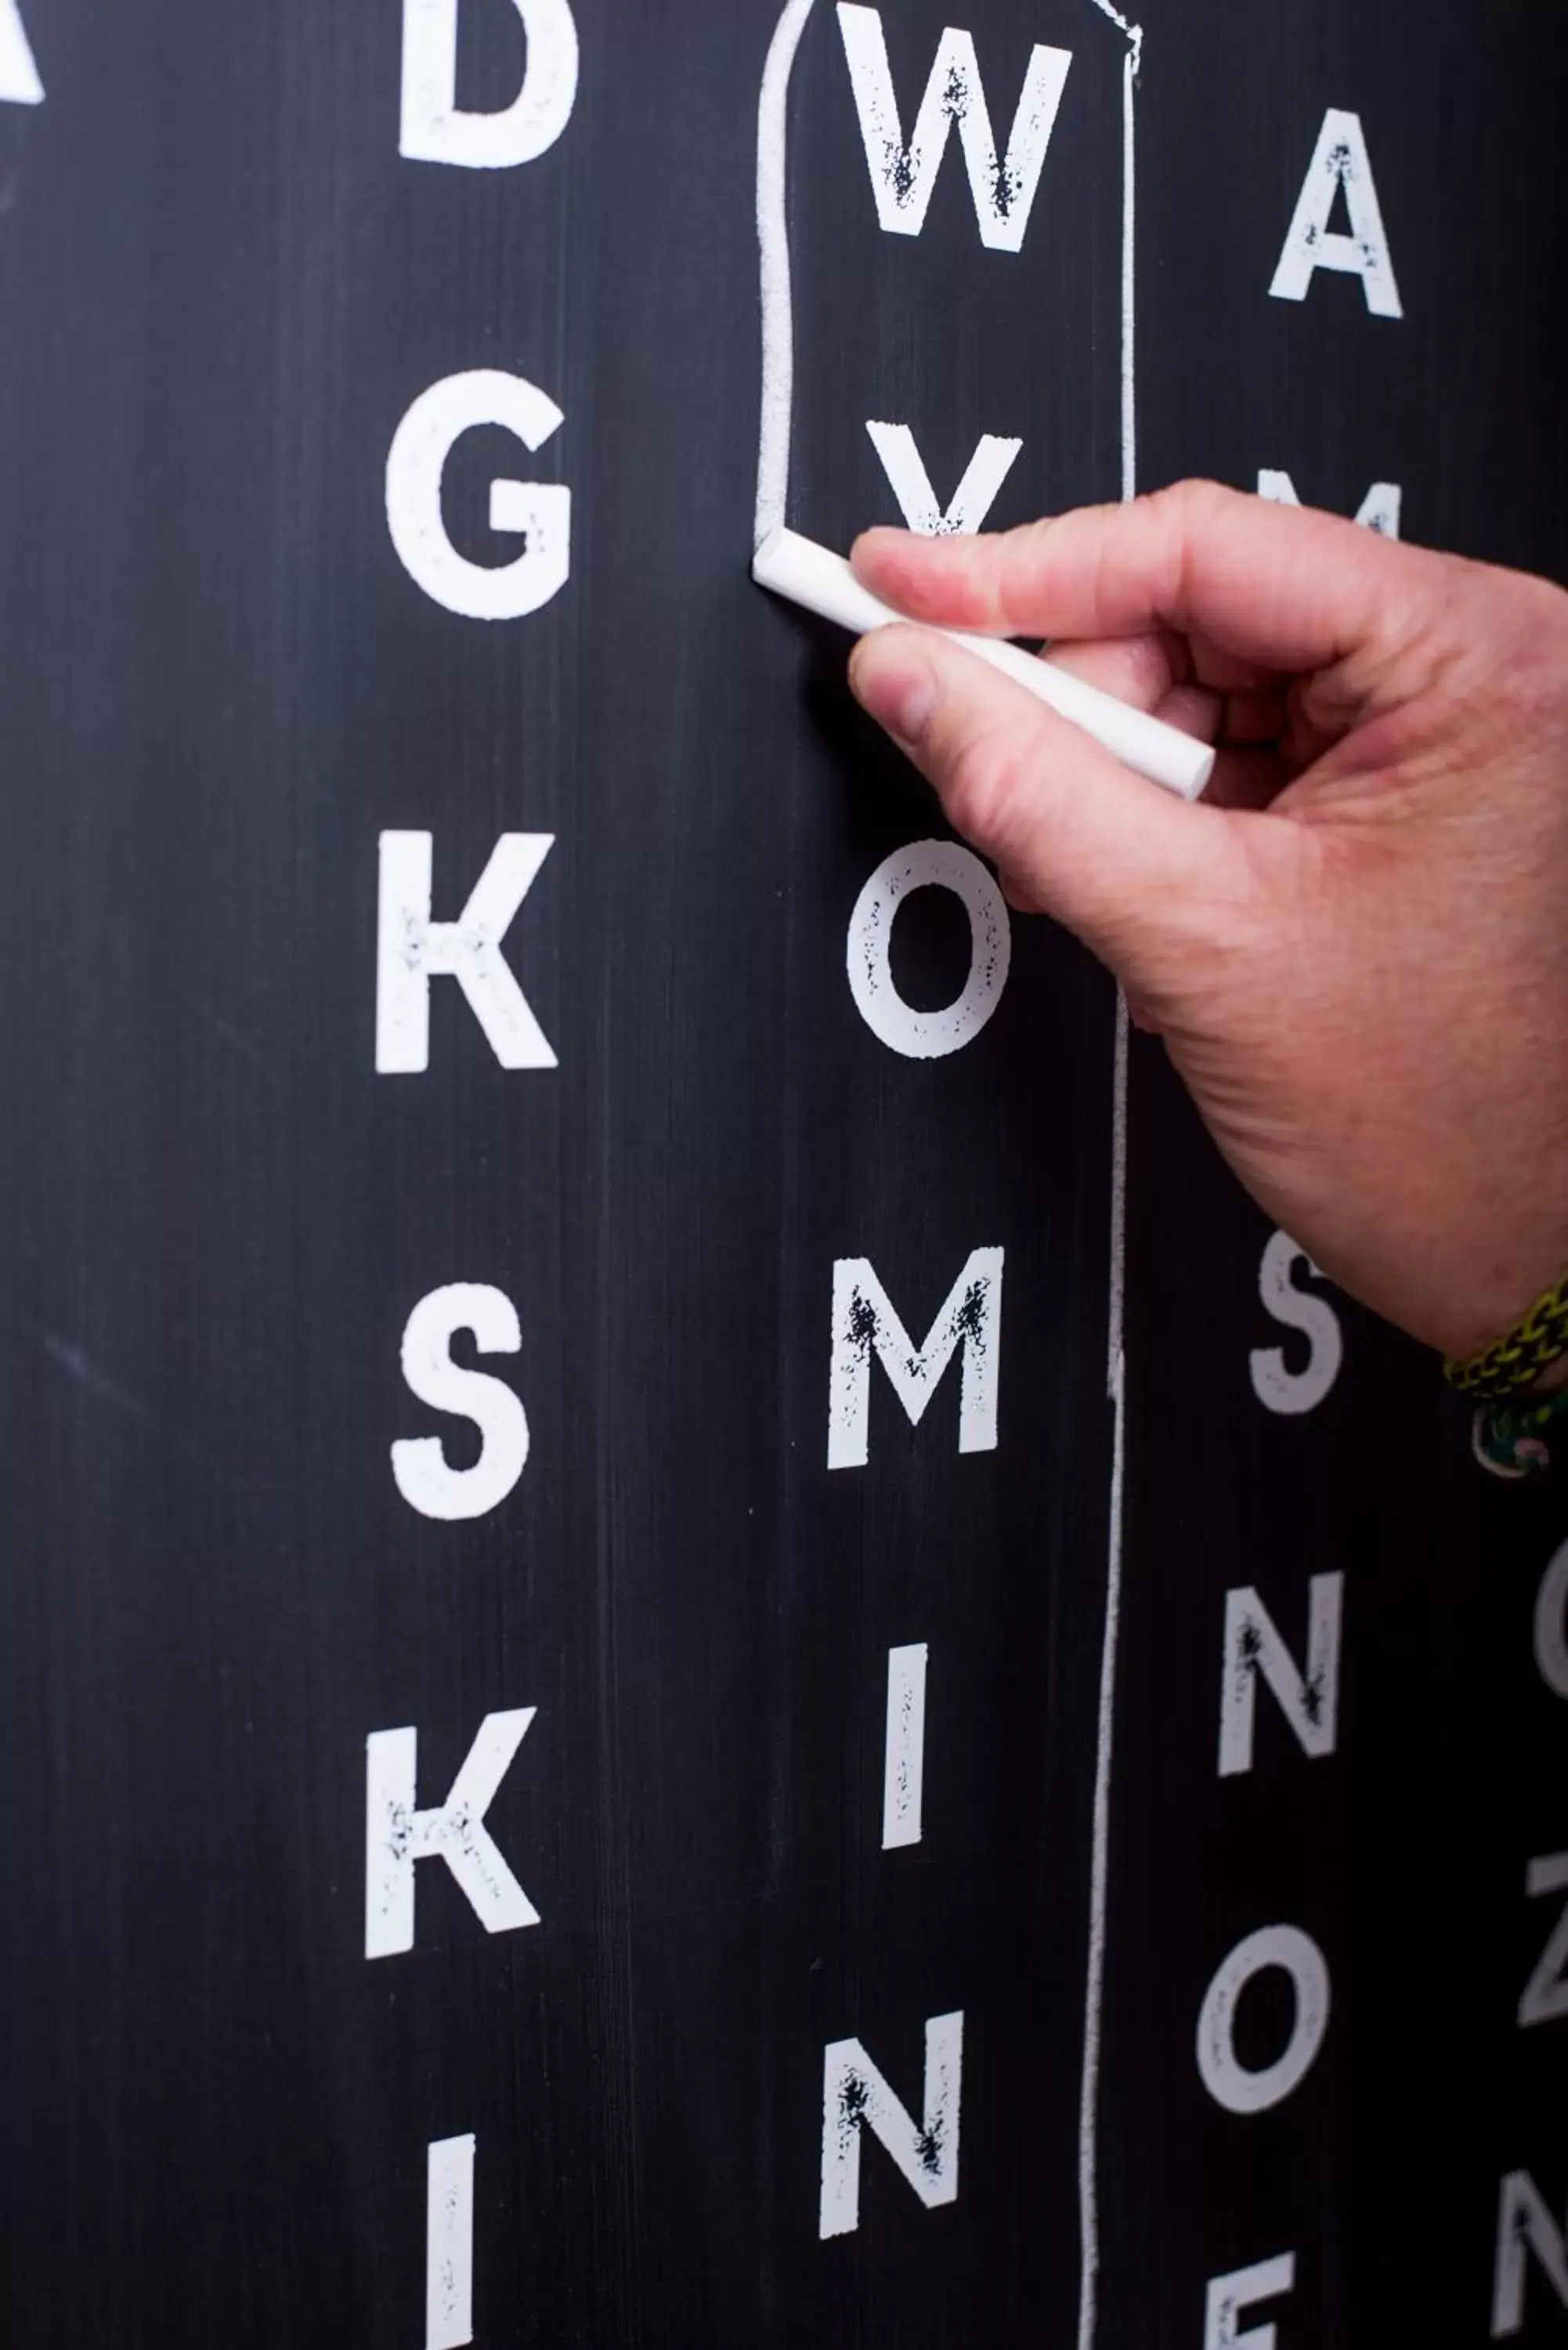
(865, 1324)
(903, 176)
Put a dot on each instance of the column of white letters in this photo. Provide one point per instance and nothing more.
(1255, 1655)
(867, 1329)
(1255, 1652)
(1002, 187)
(1528, 2232)
(415, 948)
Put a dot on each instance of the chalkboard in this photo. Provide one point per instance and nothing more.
(701, 1641)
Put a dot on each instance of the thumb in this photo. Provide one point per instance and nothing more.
(1143, 877)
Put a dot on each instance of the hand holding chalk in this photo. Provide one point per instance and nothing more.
(1354, 948)
(823, 583)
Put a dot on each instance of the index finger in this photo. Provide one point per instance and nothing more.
(1282, 587)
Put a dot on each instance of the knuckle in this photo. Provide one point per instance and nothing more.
(1184, 516)
(982, 784)
(1193, 505)
(1014, 571)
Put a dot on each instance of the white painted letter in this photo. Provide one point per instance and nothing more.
(854, 2093)
(449, 2242)
(928, 865)
(396, 1835)
(1525, 2225)
(436, 130)
(419, 1466)
(1341, 162)
(1544, 1998)
(1380, 509)
(1225, 2077)
(972, 501)
(864, 1323)
(902, 177)
(1551, 1644)
(904, 1753)
(412, 951)
(19, 83)
(539, 513)
(1230, 2295)
(1277, 1387)
(1309, 1700)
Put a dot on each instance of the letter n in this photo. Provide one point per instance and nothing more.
(1309, 1700)
(1525, 2225)
(855, 2097)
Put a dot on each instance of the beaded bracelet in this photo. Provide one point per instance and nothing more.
(1516, 1361)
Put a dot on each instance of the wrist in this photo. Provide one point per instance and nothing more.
(1531, 1357)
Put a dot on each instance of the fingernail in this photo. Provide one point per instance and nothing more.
(897, 687)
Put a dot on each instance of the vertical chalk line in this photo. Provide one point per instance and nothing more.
(773, 252)
(1099, 1870)
(1130, 70)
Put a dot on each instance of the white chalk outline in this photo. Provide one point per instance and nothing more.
(772, 504)
(1115, 1367)
(773, 252)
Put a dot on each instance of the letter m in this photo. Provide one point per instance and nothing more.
(865, 1324)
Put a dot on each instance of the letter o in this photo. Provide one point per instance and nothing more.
(1227, 2080)
(927, 865)
(542, 512)
(1551, 1640)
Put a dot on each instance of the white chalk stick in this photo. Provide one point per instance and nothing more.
(822, 582)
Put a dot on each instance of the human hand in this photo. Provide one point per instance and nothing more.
(1356, 947)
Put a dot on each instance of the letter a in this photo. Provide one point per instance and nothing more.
(18, 75)
(1340, 161)
(1380, 511)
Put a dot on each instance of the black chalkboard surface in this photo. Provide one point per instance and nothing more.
(701, 1642)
